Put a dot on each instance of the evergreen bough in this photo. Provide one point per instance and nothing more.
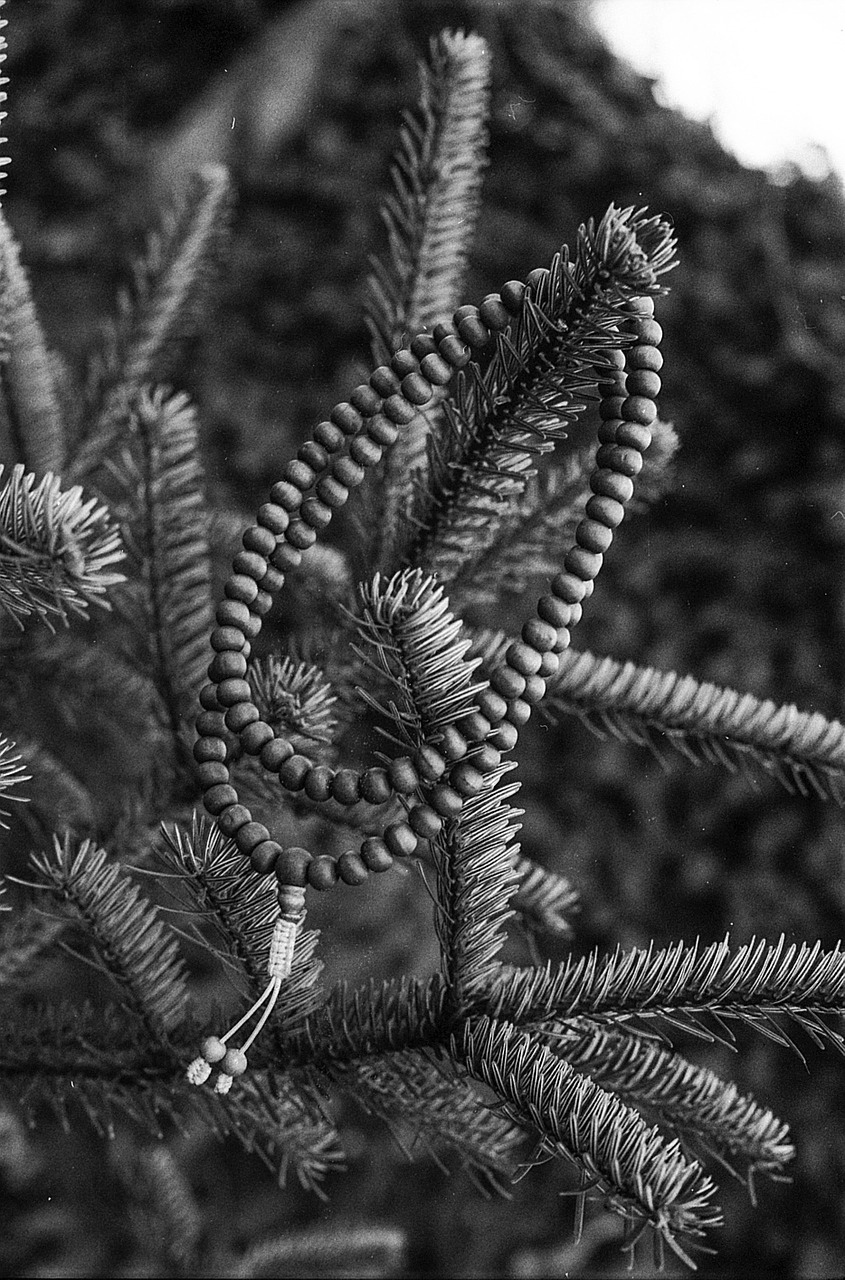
(474, 484)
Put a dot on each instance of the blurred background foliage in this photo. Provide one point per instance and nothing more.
(736, 575)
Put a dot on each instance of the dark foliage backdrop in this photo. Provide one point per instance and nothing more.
(735, 576)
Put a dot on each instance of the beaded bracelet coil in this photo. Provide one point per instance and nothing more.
(437, 778)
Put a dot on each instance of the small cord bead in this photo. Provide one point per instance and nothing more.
(365, 400)
(507, 682)
(467, 779)
(445, 801)
(384, 381)
(299, 473)
(417, 389)
(454, 352)
(474, 332)
(593, 536)
(291, 865)
(210, 773)
(219, 797)
(375, 855)
(538, 634)
(322, 872)
(294, 771)
(512, 295)
(403, 776)
(628, 462)
(351, 868)
(505, 736)
(273, 517)
(318, 783)
(635, 435)
(523, 658)
(209, 724)
(642, 382)
(260, 541)
(230, 692)
(423, 345)
(347, 471)
(375, 786)
(365, 451)
(606, 510)
(226, 638)
(301, 535)
(332, 492)
(584, 564)
(226, 665)
(250, 835)
(316, 513)
(240, 715)
(403, 362)
(429, 764)
(347, 418)
(519, 712)
(232, 613)
(329, 436)
(435, 369)
(255, 737)
(239, 587)
(262, 858)
(401, 840)
(286, 495)
(639, 409)
(275, 753)
(494, 313)
(568, 587)
(452, 743)
(535, 690)
(209, 749)
(425, 822)
(232, 818)
(645, 357)
(346, 786)
(397, 409)
(610, 484)
(285, 557)
(313, 454)
(492, 705)
(383, 430)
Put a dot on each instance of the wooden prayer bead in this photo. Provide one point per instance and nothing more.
(255, 737)
(273, 517)
(375, 786)
(299, 473)
(397, 409)
(301, 535)
(207, 749)
(467, 779)
(507, 682)
(365, 451)
(639, 409)
(494, 313)
(332, 492)
(423, 345)
(627, 462)
(262, 858)
(643, 382)
(647, 331)
(347, 471)
(403, 776)
(505, 736)
(606, 510)
(219, 797)
(208, 697)
(487, 757)
(454, 352)
(239, 587)
(291, 865)
(538, 634)
(294, 771)
(240, 715)
(491, 704)
(313, 455)
(347, 418)
(435, 369)
(225, 638)
(211, 772)
(403, 362)
(209, 723)
(593, 536)
(249, 835)
(512, 295)
(425, 822)
(635, 435)
(429, 764)
(285, 558)
(382, 430)
(322, 872)
(523, 658)
(260, 541)
(535, 690)
(317, 513)
(225, 665)
(400, 839)
(286, 495)
(445, 801)
(584, 564)
(519, 712)
(568, 587)
(318, 782)
(416, 388)
(230, 819)
(556, 613)
(346, 786)
(384, 381)
(645, 357)
(375, 855)
(610, 484)
(610, 407)
(329, 436)
(351, 868)
(275, 753)
(231, 691)
(452, 743)
(365, 400)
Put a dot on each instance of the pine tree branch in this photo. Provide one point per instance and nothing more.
(134, 947)
(543, 363)
(430, 217)
(641, 1175)
(429, 1108)
(687, 986)
(56, 549)
(12, 774)
(365, 1022)
(161, 316)
(693, 1102)
(406, 624)
(166, 533)
(702, 721)
(544, 900)
(30, 403)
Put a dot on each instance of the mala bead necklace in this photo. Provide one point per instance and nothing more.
(433, 782)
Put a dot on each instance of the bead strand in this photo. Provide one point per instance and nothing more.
(627, 386)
